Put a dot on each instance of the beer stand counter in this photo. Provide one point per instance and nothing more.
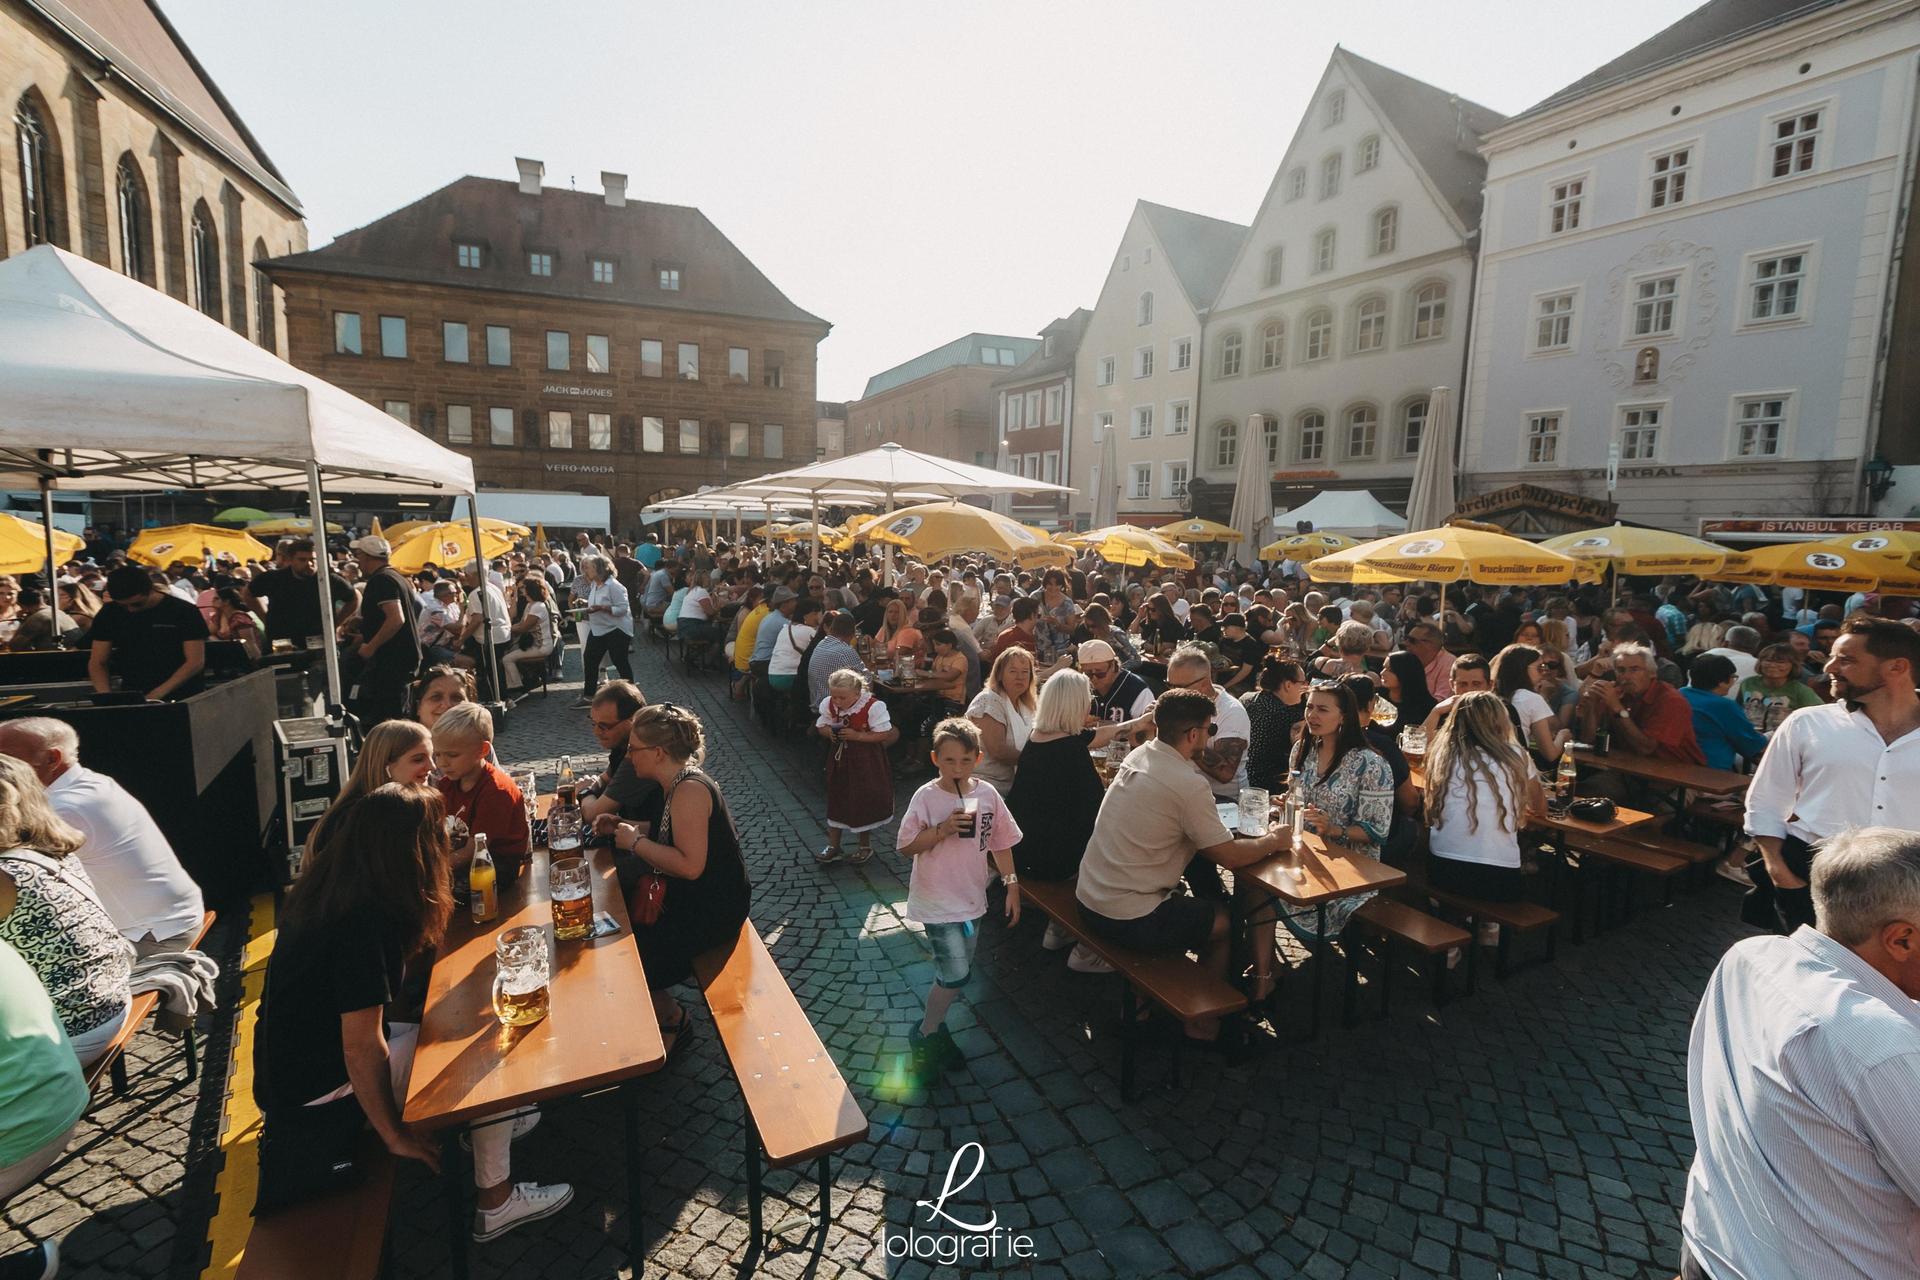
(599, 1034)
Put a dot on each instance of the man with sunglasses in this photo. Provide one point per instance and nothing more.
(1224, 759)
(619, 791)
(1118, 694)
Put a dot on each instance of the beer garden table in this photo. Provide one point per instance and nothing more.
(599, 1033)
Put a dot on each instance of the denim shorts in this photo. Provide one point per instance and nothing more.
(953, 945)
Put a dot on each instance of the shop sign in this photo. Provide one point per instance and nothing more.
(1535, 497)
(598, 393)
(581, 468)
(1823, 527)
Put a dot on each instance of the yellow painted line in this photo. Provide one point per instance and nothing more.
(240, 1126)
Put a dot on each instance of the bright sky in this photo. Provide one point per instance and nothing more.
(910, 171)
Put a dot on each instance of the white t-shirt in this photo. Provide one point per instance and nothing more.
(141, 883)
(1745, 665)
(1231, 721)
(1532, 708)
(793, 642)
(990, 704)
(543, 629)
(1494, 844)
(499, 620)
(698, 606)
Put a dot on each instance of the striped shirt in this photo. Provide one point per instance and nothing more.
(1803, 1080)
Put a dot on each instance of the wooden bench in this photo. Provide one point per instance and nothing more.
(796, 1107)
(337, 1237)
(1181, 986)
(1514, 919)
(113, 1061)
(1627, 854)
(1390, 922)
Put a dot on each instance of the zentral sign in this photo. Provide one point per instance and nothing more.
(599, 393)
(1810, 528)
(580, 468)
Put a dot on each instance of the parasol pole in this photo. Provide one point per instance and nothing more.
(46, 522)
(486, 616)
(323, 562)
(814, 538)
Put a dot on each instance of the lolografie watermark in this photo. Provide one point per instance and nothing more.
(950, 1240)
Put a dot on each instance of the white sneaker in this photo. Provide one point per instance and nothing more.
(523, 1124)
(1084, 959)
(1056, 938)
(1729, 869)
(528, 1202)
(1489, 934)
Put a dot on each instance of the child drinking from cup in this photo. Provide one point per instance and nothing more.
(859, 778)
(479, 796)
(952, 826)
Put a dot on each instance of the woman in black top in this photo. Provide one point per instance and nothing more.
(1274, 709)
(1056, 794)
(693, 847)
(1404, 682)
(1158, 624)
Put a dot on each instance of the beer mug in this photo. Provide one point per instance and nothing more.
(571, 890)
(565, 832)
(1254, 802)
(520, 976)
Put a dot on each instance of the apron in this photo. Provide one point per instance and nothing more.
(859, 777)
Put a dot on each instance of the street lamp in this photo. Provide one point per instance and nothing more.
(1879, 477)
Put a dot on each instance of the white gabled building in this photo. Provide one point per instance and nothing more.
(1138, 369)
(1347, 303)
(1689, 258)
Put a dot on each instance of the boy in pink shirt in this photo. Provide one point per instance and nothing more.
(950, 824)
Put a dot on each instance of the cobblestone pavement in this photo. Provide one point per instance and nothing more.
(1536, 1128)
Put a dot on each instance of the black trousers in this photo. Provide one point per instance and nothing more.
(378, 693)
(615, 646)
(1771, 907)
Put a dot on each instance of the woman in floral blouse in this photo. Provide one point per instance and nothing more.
(1347, 790)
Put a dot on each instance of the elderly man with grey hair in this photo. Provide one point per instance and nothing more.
(1224, 758)
(1741, 647)
(152, 900)
(1803, 1082)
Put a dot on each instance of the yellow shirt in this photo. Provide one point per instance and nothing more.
(749, 632)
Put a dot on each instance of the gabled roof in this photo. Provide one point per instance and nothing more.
(416, 243)
(952, 355)
(136, 39)
(1066, 333)
(1716, 23)
(1199, 249)
(1441, 129)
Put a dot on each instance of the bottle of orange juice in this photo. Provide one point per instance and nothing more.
(481, 890)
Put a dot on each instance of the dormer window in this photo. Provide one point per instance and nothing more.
(1336, 108)
(603, 270)
(539, 264)
(669, 277)
(466, 254)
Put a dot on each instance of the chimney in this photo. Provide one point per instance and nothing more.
(616, 186)
(530, 173)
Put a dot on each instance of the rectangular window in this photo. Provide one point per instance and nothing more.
(650, 357)
(1016, 405)
(1142, 421)
(1177, 480)
(1270, 277)
(773, 441)
(1297, 183)
(1330, 176)
(1319, 335)
(1653, 306)
(1105, 375)
(539, 264)
(1672, 171)
(1370, 325)
(1778, 282)
(1367, 156)
(1640, 435)
(499, 345)
(559, 430)
(1763, 423)
(600, 431)
(453, 342)
(346, 333)
(1313, 437)
(689, 362)
(1050, 467)
(393, 337)
(1796, 144)
(1056, 403)
(1413, 427)
(737, 364)
(1143, 362)
(773, 366)
(1553, 323)
(459, 424)
(739, 440)
(500, 427)
(653, 435)
(599, 354)
(669, 279)
(1033, 409)
(1182, 354)
(1543, 439)
(467, 255)
(1179, 418)
(603, 271)
(1563, 212)
(1323, 251)
(689, 435)
(1363, 430)
(1142, 480)
(1386, 230)
(559, 349)
(1030, 466)
(399, 411)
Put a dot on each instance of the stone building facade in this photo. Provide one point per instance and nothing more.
(941, 402)
(1035, 410)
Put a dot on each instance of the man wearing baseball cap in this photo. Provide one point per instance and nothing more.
(388, 652)
(1118, 694)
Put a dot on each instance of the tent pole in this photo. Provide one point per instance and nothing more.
(815, 497)
(323, 562)
(46, 520)
(486, 617)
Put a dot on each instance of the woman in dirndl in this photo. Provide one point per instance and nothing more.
(859, 779)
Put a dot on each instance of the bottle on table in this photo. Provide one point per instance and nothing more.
(1567, 777)
(482, 892)
(564, 790)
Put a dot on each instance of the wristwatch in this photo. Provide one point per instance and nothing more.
(1010, 878)
(1624, 714)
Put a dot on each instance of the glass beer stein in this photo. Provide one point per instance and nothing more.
(521, 970)
(571, 891)
(566, 833)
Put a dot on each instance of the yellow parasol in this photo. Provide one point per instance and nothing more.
(161, 547)
(288, 527)
(539, 538)
(448, 545)
(1448, 554)
(1812, 566)
(934, 529)
(1049, 554)
(375, 530)
(23, 545)
(488, 525)
(1637, 551)
(803, 532)
(1131, 545)
(1900, 545)
(1194, 529)
(1306, 547)
(769, 530)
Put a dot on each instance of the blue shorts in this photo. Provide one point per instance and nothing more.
(953, 945)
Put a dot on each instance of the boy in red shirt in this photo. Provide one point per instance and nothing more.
(478, 793)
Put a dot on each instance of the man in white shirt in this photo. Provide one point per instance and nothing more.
(1851, 763)
(1740, 646)
(439, 623)
(153, 901)
(1803, 1084)
(1171, 590)
(1224, 760)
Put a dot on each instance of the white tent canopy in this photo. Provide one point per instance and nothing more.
(892, 470)
(1350, 511)
(108, 384)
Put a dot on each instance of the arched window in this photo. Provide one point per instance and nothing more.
(1323, 241)
(1370, 324)
(1429, 312)
(1319, 330)
(263, 320)
(1366, 156)
(1363, 432)
(136, 221)
(1273, 344)
(1386, 229)
(1330, 176)
(1145, 315)
(1312, 431)
(1336, 109)
(1413, 425)
(1270, 435)
(206, 262)
(1230, 351)
(41, 187)
(1226, 445)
